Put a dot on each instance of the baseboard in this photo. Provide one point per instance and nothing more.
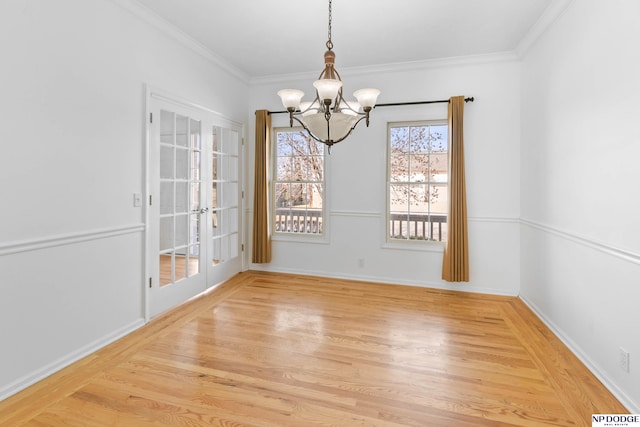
(63, 362)
(462, 287)
(628, 403)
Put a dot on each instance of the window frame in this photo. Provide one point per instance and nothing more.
(321, 237)
(412, 244)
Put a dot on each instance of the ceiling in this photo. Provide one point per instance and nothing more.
(263, 38)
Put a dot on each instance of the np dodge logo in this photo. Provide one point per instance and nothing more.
(615, 420)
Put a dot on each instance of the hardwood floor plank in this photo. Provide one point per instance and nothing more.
(268, 349)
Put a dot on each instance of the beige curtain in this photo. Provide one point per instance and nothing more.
(455, 264)
(261, 234)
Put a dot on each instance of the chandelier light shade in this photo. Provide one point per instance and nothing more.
(329, 118)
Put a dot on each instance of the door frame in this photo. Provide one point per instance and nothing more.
(216, 119)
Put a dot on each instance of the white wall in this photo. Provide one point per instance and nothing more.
(73, 120)
(580, 255)
(357, 173)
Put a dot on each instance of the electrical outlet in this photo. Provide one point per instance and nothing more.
(360, 262)
(624, 360)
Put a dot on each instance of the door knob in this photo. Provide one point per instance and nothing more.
(204, 210)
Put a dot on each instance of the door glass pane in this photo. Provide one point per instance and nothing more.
(195, 196)
(233, 220)
(182, 163)
(194, 265)
(182, 138)
(165, 269)
(167, 127)
(194, 251)
(166, 162)
(232, 194)
(233, 169)
(194, 129)
(195, 166)
(166, 233)
(166, 197)
(224, 167)
(181, 267)
(234, 137)
(182, 197)
(223, 223)
(215, 259)
(194, 230)
(223, 145)
(182, 225)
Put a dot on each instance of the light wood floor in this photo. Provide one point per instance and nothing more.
(282, 350)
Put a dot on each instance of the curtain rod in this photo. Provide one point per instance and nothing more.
(395, 104)
(443, 101)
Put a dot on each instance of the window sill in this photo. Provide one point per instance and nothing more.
(300, 238)
(437, 247)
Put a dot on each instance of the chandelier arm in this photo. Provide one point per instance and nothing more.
(328, 127)
(291, 111)
(303, 124)
(339, 96)
(366, 115)
(327, 110)
(342, 104)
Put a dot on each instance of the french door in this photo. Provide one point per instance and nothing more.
(225, 204)
(195, 204)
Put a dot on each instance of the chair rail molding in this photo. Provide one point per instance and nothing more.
(68, 238)
(624, 254)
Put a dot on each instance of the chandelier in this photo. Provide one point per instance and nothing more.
(329, 118)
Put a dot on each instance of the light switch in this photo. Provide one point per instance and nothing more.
(137, 200)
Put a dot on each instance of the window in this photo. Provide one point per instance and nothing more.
(417, 183)
(299, 183)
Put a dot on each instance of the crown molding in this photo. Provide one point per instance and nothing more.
(454, 61)
(555, 9)
(150, 17)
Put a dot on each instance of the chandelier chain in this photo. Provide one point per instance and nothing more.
(329, 42)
